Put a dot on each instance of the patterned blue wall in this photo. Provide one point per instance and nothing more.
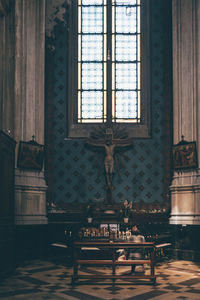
(78, 174)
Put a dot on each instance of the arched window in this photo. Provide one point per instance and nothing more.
(109, 82)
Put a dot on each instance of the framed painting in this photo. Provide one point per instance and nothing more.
(30, 155)
(185, 155)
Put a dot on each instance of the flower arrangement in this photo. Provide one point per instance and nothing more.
(127, 209)
(89, 213)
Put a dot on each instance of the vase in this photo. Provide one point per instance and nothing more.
(125, 220)
(89, 219)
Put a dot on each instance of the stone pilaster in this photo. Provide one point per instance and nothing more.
(185, 187)
(30, 186)
(7, 65)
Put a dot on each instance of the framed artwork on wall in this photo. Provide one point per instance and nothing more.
(185, 155)
(30, 155)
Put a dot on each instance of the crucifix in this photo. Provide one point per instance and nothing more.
(109, 143)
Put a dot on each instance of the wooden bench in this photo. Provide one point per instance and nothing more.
(113, 262)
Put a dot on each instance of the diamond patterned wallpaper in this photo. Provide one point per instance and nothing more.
(77, 172)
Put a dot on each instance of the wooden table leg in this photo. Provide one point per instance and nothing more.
(153, 264)
(113, 264)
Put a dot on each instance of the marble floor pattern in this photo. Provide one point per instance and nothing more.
(46, 279)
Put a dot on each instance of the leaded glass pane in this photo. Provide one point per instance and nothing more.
(92, 2)
(126, 105)
(92, 47)
(128, 2)
(126, 47)
(126, 76)
(92, 76)
(94, 60)
(126, 19)
(92, 19)
(92, 104)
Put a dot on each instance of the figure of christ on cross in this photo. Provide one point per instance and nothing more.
(109, 144)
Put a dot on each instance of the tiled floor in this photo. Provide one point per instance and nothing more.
(39, 279)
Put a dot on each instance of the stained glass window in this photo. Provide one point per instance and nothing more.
(108, 61)
(108, 66)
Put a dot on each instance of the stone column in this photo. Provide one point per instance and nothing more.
(185, 188)
(30, 186)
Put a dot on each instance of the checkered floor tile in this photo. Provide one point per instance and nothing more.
(41, 279)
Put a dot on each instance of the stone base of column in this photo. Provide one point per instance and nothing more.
(30, 198)
(185, 199)
(184, 220)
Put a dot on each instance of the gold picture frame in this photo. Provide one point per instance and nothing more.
(30, 155)
(185, 155)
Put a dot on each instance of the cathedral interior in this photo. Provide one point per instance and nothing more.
(68, 179)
